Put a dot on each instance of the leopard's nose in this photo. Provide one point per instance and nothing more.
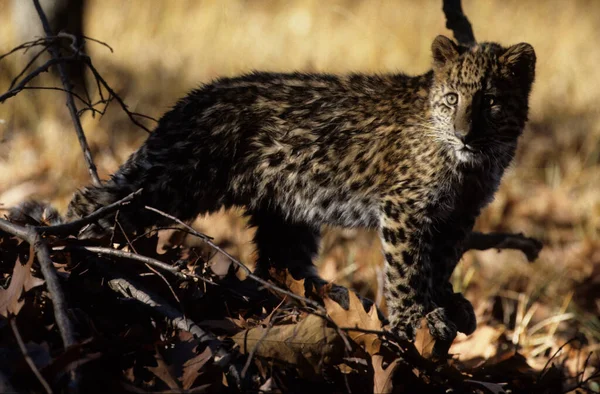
(461, 134)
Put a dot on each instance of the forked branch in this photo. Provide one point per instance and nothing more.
(70, 100)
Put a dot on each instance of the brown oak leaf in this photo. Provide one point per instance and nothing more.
(356, 317)
(20, 282)
(308, 345)
(424, 342)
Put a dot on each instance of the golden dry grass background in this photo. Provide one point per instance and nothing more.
(164, 48)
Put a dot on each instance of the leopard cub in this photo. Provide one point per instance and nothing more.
(415, 157)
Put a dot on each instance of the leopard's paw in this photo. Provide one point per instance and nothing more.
(462, 314)
(440, 325)
(443, 330)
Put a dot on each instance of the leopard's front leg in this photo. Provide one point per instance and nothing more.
(448, 241)
(406, 239)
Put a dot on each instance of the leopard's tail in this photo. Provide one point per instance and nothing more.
(128, 179)
(35, 213)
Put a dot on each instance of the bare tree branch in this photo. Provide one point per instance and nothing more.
(70, 101)
(43, 68)
(101, 83)
(52, 283)
(33, 238)
(457, 21)
(130, 256)
(483, 241)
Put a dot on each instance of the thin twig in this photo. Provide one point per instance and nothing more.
(544, 370)
(28, 360)
(136, 257)
(70, 101)
(33, 59)
(124, 106)
(161, 276)
(157, 229)
(73, 227)
(51, 44)
(14, 89)
(84, 101)
(26, 46)
(129, 256)
(41, 69)
(99, 42)
(181, 222)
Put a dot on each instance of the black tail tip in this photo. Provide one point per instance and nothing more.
(35, 213)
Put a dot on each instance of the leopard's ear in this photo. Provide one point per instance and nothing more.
(444, 50)
(519, 61)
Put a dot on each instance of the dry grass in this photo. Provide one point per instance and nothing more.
(552, 192)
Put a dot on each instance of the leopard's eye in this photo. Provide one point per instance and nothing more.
(489, 100)
(451, 99)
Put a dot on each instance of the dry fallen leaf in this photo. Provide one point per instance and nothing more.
(382, 377)
(164, 372)
(491, 387)
(424, 342)
(308, 345)
(192, 367)
(20, 282)
(284, 277)
(356, 317)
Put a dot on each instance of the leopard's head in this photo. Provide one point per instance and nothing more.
(480, 99)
